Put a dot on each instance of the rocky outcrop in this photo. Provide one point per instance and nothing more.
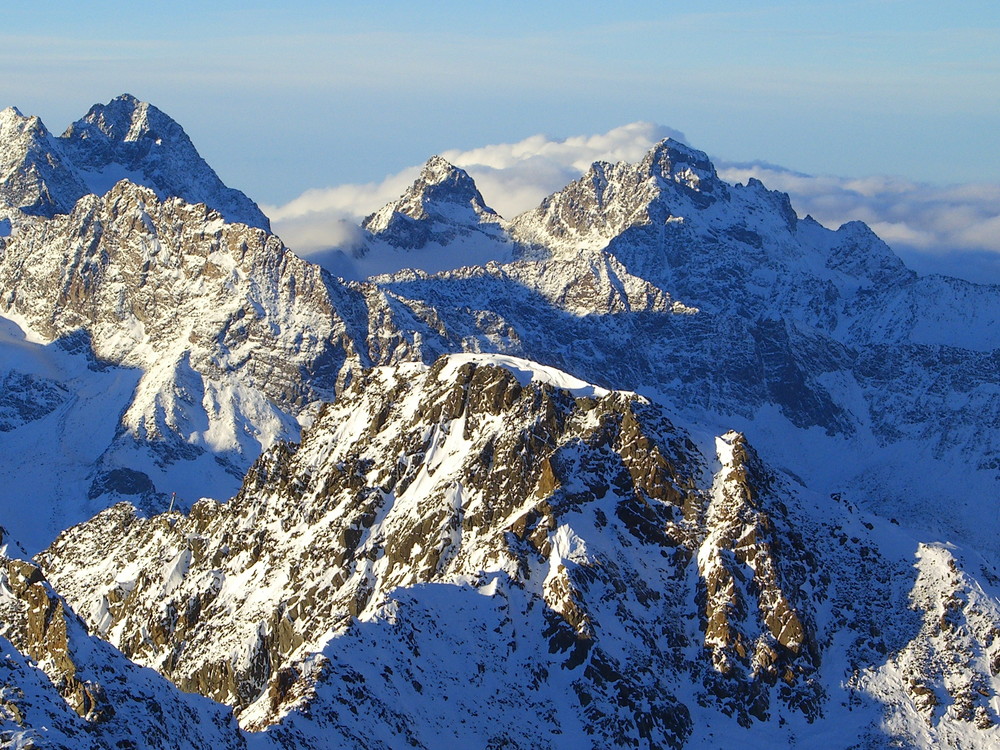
(74, 690)
(123, 139)
(758, 586)
(496, 524)
(944, 684)
(35, 620)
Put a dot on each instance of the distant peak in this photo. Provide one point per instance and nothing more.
(439, 165)
(443, 194)
(439, 171)
(441, 183)
(670, 154)
(124, 118)
(672, 160)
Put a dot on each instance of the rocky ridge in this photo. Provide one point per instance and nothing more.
(591, 562)
(403, 475)
(123, 139)
(751, 599)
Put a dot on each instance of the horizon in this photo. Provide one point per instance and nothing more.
(327, 97)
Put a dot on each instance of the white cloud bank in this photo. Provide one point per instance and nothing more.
(953, 229)
(513, 177)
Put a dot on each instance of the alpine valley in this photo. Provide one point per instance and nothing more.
(656, 464)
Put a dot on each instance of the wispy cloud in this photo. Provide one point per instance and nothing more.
(929, 218)
(513, 177)
(950, 228)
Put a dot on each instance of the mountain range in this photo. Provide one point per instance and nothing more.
(656, 464)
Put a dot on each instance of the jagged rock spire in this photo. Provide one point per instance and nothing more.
(123, 139)
(442, 203)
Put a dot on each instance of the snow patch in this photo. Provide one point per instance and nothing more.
(526, 373)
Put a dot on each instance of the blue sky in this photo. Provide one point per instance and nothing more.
(338, 102)
(316, 94)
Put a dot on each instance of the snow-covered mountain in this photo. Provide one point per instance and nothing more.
(491, 538)
(440, 222)
(195, 342)
(656, 464)
(813, 341)
(123, 139)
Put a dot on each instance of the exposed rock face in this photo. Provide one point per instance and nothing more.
(25, 398)
(612, 198)
(229, 335)
(77, 691)
(944, 683)
(147, 279)
(123, 139)
(671, 220)
(757, 576)
(127, 137)
(37, 622)
(589, 564)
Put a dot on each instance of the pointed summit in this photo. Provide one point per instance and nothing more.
(674, 161)
(440, 223)
(123, 139)
(124, 118)
(442, 203)
(131, 139)
(443, 193)
(441, 183)
(671, 180)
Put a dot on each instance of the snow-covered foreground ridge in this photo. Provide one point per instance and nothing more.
(519, 514)
(474, 539)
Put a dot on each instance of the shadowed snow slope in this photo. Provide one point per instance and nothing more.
(656, 464)
(465, 540)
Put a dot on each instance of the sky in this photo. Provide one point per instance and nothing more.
(315, 95)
